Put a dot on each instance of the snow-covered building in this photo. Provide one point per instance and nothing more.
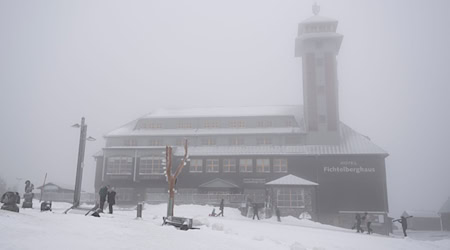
(244, 150)
(423, 220)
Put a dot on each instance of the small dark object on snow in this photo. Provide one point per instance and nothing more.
(95, 214)
(46, 206)
(10, 199)
(179, 222)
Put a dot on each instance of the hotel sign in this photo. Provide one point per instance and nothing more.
(351, 167)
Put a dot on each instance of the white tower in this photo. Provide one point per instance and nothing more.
(318, 44)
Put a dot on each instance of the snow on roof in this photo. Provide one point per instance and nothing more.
(218, 183)
(291, 180)
(214, 112)
(446, 207)
(420, 213)
(351, 143)
(319, 19)
(199, 132)
(59, 185)
(225, 112)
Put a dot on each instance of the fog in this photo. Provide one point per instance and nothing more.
(114, 61)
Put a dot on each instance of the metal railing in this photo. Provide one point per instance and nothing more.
(202, 199)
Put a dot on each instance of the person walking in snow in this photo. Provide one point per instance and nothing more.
(255, 211)
(103, 192)
(368, 223)
(221, 208)
(358, 224)
(111, 200)
(404, 223)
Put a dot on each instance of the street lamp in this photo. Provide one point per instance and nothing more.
(80, 161)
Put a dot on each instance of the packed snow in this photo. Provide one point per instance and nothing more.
(32, 229)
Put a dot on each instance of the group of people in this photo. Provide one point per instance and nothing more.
(365, 218)
(361, 220)
(107, 194)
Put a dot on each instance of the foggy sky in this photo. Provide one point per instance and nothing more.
(114, 61)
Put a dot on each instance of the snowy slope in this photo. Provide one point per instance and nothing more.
(31, 229)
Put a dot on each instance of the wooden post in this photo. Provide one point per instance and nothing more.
(171, 179)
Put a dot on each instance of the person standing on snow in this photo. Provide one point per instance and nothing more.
(277, 212)
(221, 208)
(103, 192)
(255, 211)
(404, 223)
(111, 200)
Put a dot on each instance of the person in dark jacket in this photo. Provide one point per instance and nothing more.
(111, 200)
(255, 211)
(358, 224)
(404, 223)
(220, 208)
(277, 212)
(103, 192)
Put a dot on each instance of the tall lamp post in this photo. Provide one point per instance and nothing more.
(80, 161)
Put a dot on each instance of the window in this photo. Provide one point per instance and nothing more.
(237, 140)
(130, 142)
(290, 197)
(246, 165)
(264, 124)
(212, 165)
(237, 124)
(156, 142)
(151, 166)
(229, 165)
(211, 124)
(119, 165)
(208, 141)
(184, 124)
(290, 123)
(262, 165)
(180, 141)
(280, 165)
(263, 141)
(153, 125)
(196, 166)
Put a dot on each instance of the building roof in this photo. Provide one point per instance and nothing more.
(351, 143)
(218, 183)
(292, 180)
(420, 213)
(214, 112)
(319, 19)
(59, 186)
(446, 207)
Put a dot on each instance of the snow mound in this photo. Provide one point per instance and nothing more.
(217, 227)
(297, 246)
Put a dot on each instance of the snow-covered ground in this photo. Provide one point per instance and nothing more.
(32, 229)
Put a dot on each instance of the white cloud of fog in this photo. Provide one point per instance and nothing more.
(113, 61)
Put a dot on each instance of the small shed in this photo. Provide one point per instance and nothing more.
(444, 213)
(423, 220)
(293, 195)
(63, 193)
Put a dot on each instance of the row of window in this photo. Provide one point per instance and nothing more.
(151, 165)
(245, 166)
(214, 124)
(206, 141)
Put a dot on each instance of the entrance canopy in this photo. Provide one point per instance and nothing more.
(218, 183)
(291, 180)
